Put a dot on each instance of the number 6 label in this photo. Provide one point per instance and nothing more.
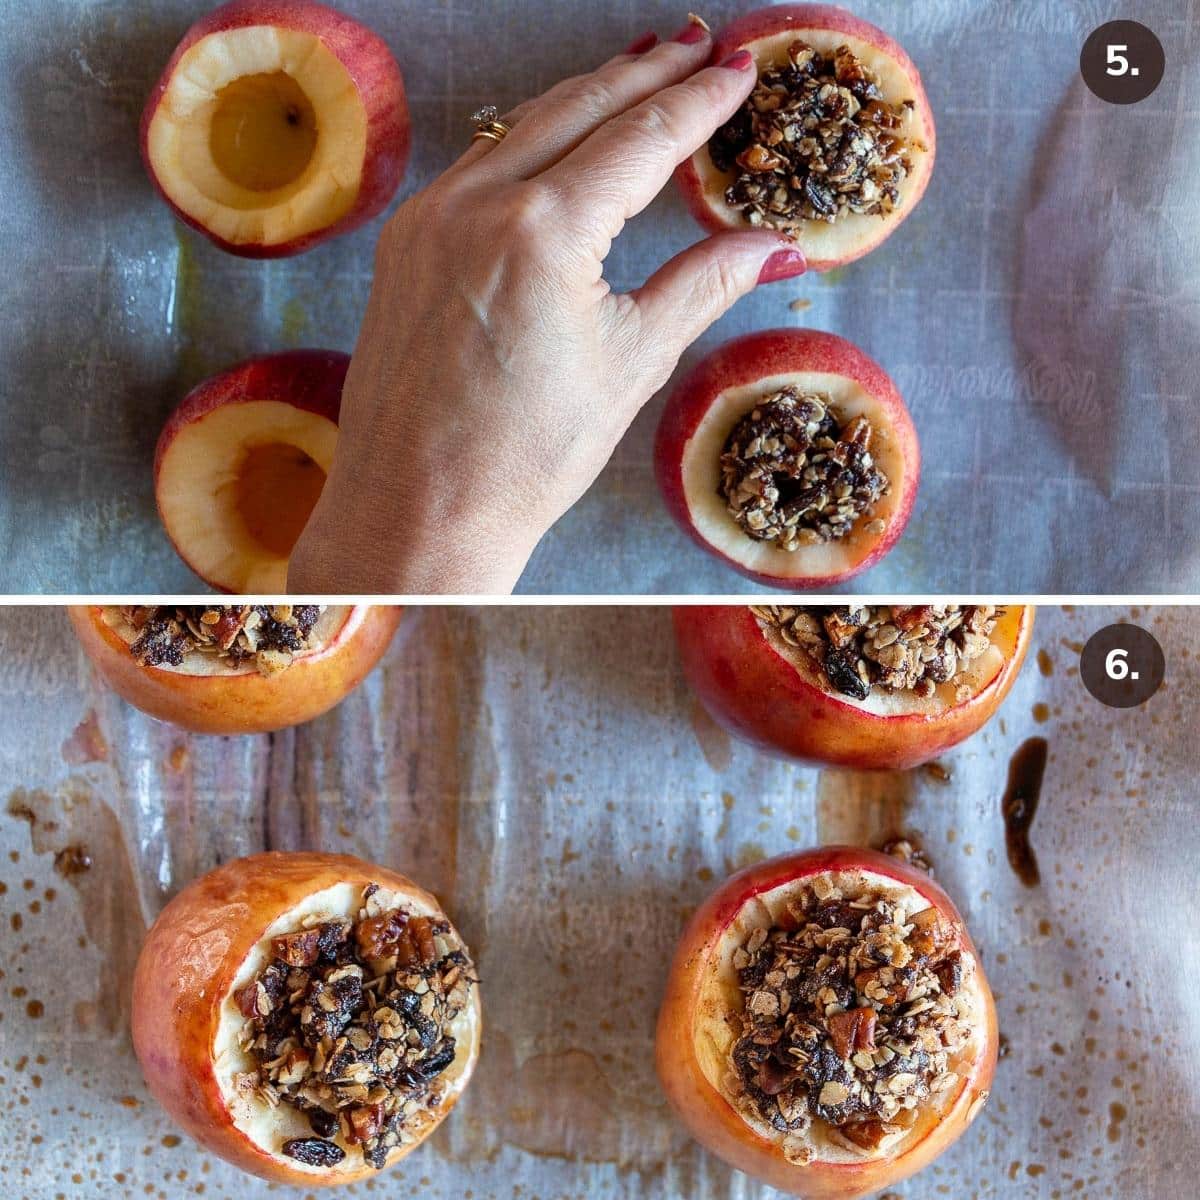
(1122, 665)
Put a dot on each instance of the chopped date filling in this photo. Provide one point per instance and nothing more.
(854, 1011)
(350, 1023)
(814, 141)
(794, 474)
(893, 647)
(269, 636)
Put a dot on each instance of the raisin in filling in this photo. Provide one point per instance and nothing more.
(854, 1011)
(814, 141)
(269, 636)
(794, 474)
(350, 1023)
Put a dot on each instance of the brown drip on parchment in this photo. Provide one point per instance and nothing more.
(90, 853)
(1019, 807)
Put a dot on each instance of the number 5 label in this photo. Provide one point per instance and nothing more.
(1122, 62)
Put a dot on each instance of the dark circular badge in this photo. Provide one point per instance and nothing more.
(1122, 666)
(1122, 62)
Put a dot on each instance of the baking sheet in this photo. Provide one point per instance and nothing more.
(548, 774)
(1039, 310)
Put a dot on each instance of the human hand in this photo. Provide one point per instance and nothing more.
(495, 371)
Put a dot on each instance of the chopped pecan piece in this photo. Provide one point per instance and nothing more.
(366, 1122)
(869, 1135)
(298, 949)
(932, 933)
(377, 937)
(853, 1030)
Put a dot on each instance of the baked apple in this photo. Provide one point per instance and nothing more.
(241, 462)
(236, 668)
(834, 146)
(309, 1017)
(827, 1027)
(862, 686)
(789, 455)
(276, 126)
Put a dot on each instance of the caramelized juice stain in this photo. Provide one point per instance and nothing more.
(1019, 807)
(90, 852)
(713, 740)
(185, 317)
(568, 1106)
(1045, 662)
(859, 808)
(86, 743)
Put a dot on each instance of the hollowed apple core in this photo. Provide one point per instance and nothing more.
(260, 136)
(269, 1127)
(827, 243)
(237, 486)
(702, 482)
(278, 486)
(195, 662)
(719, 996)
(884, 702)
(264, 131)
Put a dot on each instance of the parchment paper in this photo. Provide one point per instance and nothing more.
(1039, 310)
(548, 774)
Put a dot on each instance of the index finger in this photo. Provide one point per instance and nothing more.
(619, 169)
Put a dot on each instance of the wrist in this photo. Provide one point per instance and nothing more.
(387, 539)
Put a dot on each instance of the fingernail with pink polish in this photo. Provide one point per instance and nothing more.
(690, 34)
(646, 42)
(742, 60)
(783, 264)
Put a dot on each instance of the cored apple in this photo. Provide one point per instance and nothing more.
(277, 125)
(241, 462)
(790, 455)
(771, 678)
(834, 147)
(827, 1027)
(229, 669)
(311, 1018)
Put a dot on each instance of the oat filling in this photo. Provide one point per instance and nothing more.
(854, 1013)
(793, 473)
(814, 141)
(268, 636)
(350, 1023)
(892, 647)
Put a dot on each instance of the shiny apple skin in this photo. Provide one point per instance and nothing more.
(764, 22)
(742, 361)
(248, 703)
(380, 85)
(308, 379)
(707, 1114)
(186, 968)
(756, 695)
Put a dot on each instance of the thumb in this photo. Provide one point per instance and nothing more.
(688, 293)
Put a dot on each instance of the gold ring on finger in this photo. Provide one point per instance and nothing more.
(488, 124)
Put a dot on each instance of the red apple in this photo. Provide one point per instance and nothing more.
(276, 125)
(696, 1035)
(774, 696)
(211, 942)
(207, 694)
(241, 462)
(767, 33)
(729, 383)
